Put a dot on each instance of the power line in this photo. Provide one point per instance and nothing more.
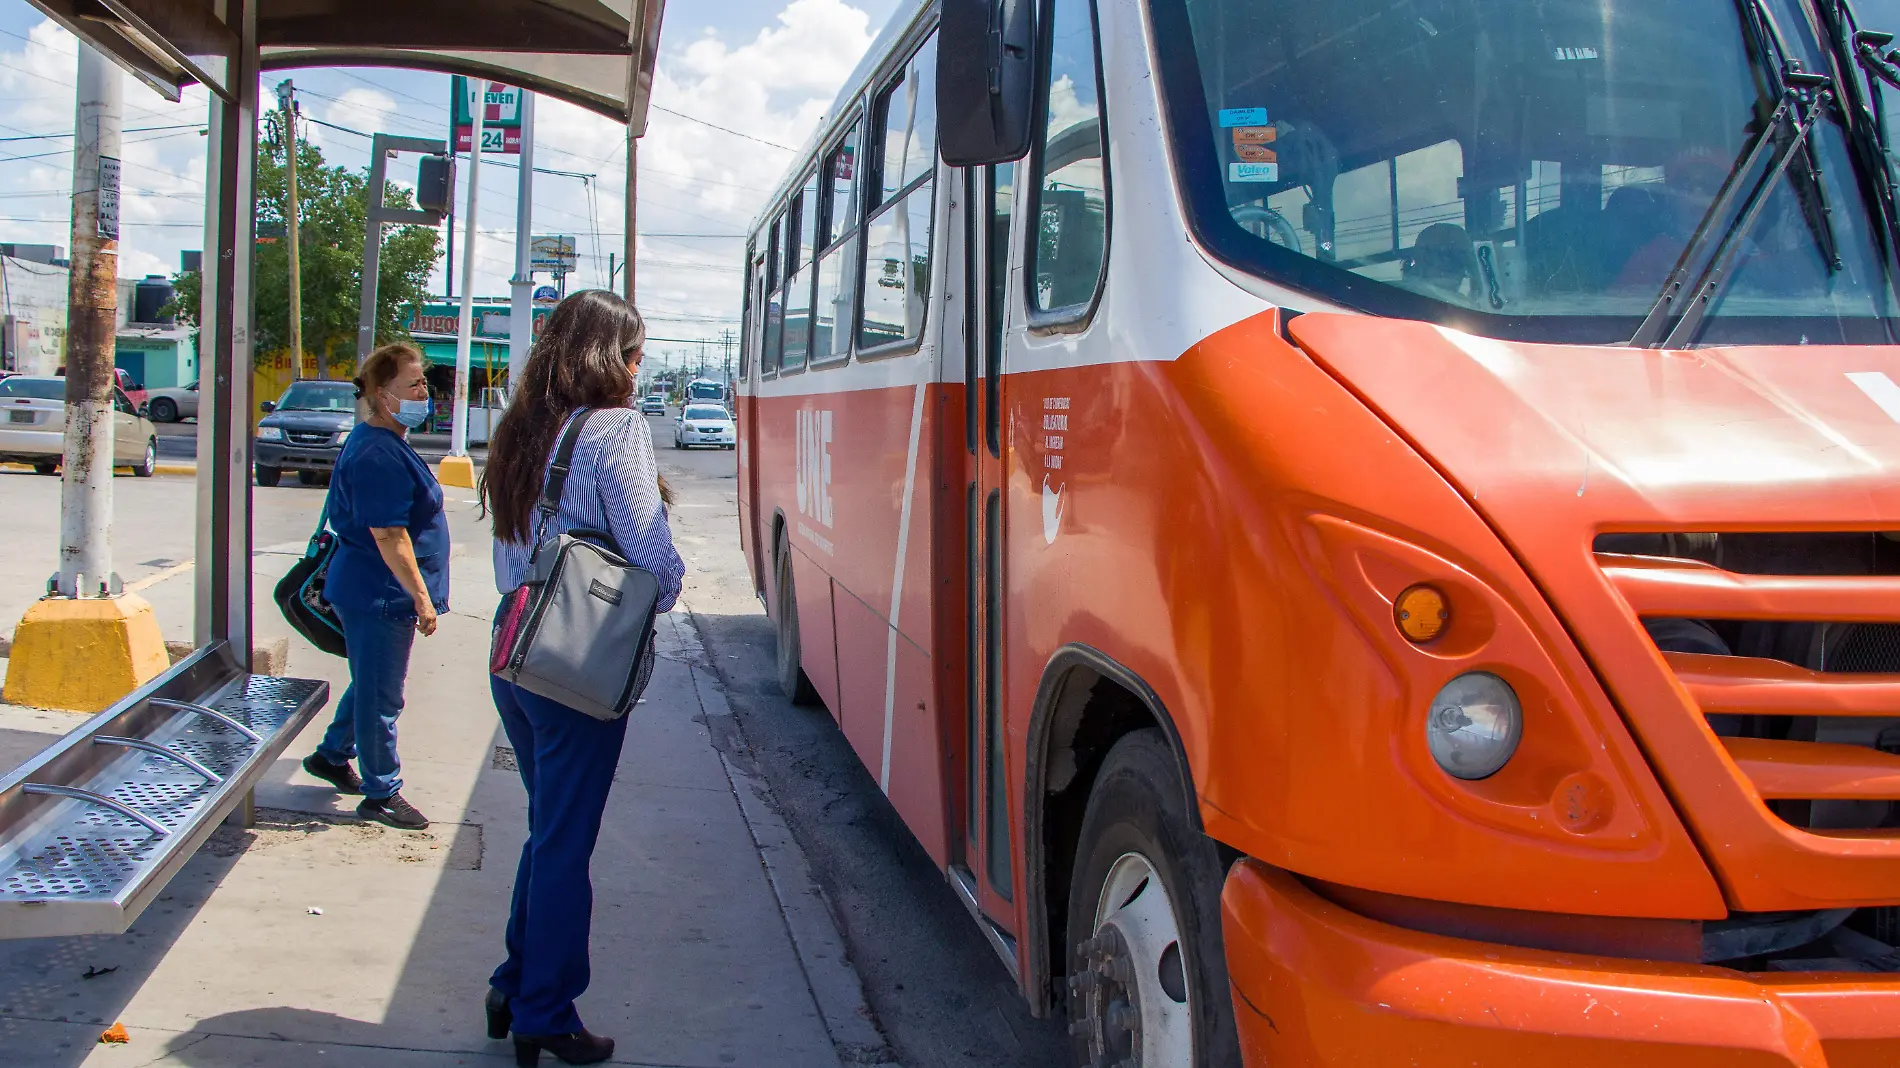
(721, 129)
(135, 129)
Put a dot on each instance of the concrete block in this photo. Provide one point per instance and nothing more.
(83, 654)
(456, 471)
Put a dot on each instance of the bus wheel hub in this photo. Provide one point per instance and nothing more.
(1104, 1002)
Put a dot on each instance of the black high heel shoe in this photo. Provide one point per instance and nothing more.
(580, 1047)
(500, 1017)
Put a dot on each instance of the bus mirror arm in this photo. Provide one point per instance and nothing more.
(986, 57)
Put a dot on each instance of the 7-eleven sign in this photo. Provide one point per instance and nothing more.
(501, 115)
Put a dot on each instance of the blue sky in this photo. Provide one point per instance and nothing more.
(767, 68)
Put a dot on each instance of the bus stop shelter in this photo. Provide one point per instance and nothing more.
(93, 827)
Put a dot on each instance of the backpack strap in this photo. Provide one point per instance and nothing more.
(558, 469)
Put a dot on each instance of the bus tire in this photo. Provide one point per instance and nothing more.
(1147, 974)
(792, 680)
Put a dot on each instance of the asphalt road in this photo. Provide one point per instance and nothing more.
(940, 993)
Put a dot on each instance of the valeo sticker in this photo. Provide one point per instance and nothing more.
(1253, 172)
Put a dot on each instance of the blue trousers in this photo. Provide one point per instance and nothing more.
(566, 759)
(364, 727)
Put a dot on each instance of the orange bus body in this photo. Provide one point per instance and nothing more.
(1217, 533)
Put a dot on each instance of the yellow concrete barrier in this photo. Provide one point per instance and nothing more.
(82, 654)
(456, 471)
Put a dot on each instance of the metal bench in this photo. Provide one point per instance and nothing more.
(93, 828)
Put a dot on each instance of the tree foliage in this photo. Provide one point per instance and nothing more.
(331, 208)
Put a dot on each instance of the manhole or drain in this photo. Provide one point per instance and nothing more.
(505, 758)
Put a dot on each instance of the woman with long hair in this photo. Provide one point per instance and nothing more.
(586, 360)
(388, 581)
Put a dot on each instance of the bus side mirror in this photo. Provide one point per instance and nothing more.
(986, 60)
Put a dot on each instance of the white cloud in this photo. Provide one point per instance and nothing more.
(693, 178)
(774, 86)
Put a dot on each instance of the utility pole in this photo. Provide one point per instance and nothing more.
(465, 323)
(89, 643)
(287, 123)
(85, 500)
(521, 299)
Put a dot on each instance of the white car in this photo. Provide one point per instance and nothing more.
(33, 428)
(172, 403)
(705, 424)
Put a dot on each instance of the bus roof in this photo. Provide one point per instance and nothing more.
(901, 25)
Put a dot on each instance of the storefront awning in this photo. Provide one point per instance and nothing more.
(597, 54)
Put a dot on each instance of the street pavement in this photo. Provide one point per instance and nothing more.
(757, 901)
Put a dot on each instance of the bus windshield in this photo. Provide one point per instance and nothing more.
(1531, 171)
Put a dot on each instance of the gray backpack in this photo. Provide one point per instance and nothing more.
(579, 630)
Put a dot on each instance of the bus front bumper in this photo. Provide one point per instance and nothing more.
(1315, 984)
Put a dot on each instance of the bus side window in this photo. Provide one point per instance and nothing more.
(897, 233)
(774, 305)
(749, 307)
(801, 232)
(1071, 180)
(837, 274)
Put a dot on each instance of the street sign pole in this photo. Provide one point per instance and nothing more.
(521, 306)
(465, 323)
(85, 543)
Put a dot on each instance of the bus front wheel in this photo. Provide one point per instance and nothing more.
(792, 680)
(1147, 976)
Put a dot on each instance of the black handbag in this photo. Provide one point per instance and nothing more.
(579, 630)
(299, 594)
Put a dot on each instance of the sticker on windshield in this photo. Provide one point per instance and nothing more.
(1250, 144)
(1563, 55)
(1230, 117)
(1253, 172)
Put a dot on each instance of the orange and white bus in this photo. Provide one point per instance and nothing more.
(1362, 532)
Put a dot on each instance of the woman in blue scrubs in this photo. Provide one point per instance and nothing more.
(388, 581)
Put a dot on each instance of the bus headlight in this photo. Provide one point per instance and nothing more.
(1474, 725)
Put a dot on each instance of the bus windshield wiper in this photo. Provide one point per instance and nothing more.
(1804, 98)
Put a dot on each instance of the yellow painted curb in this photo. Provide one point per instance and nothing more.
(162, 469)
(456, 471)
(83, 654)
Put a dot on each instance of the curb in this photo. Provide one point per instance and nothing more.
(822, 952)
(161, 469)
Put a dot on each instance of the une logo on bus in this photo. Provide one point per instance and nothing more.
(814, 465)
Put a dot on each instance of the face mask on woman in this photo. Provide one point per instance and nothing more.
(410, 413)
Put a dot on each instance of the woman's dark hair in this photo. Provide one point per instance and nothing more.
(381, 367)
(580, 361)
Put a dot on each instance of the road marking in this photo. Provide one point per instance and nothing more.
(897, 589)
(151, 580)
(1880, 389)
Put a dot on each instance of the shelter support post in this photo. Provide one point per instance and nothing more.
(632, 209)
(225, 333)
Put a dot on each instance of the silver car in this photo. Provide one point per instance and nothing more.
(172, 403)
(33, 426)
(704, 424)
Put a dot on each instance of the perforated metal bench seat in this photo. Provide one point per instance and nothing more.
(93, 828)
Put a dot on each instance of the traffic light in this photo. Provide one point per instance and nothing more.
(435, 184)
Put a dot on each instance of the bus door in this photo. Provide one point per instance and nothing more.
(983, 875)
(746, 417)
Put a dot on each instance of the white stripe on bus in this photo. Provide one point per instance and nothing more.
(897, 587)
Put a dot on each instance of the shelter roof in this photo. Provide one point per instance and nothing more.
(598, 54)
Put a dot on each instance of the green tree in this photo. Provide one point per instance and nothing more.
(332, 206)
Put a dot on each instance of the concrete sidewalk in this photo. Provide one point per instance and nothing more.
(712, 943)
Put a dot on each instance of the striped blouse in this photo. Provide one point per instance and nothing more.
(612, 486)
